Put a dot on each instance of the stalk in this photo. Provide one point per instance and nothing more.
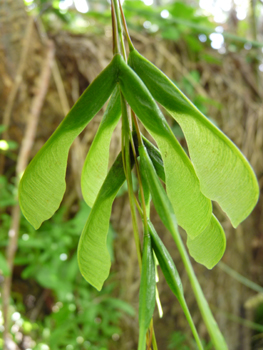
(191, 323)
(126, 138)
(145, 220)
(119, 27)
(127, 167)
(131, 47)
(135, 123)
(115, 43)
(211, 324)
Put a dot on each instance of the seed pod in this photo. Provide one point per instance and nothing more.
(166, 263)
(156, 158)
(154, 154)
(147, 291)
(172, 277)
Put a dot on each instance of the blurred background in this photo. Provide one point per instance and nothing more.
(49, 53)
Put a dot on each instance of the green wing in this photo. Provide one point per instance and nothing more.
(43, 184)
(192, 209)
(96, 164)
(93, 256)
(224, 173)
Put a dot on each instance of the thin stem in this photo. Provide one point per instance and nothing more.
(200, 298)
(141, 188)
(131, 47)
(191, 323)
(150, 335)
(127, 166)
(135, 123)
(115, 43)
(119, 26)
(238, 277)
(154, 343)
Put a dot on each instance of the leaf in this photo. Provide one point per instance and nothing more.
(121, 305)
(193, 210)
(209, 247)
(43, 184)
(96, 164)
(170, 33)
(93, 255)
(4, 268)
(224, 173)
(147, 291)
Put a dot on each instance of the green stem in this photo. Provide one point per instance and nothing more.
(135, 122)
(127, 167)
(154, 343)
(191, 323)
(143, 212)
(201, 300)
(115, 43)
(131, 47)
(119, 26)
(242, 279)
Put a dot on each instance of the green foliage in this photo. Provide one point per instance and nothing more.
(4, 268)
(7, 147)
(81, 318)
(175, 27)
(7, 191)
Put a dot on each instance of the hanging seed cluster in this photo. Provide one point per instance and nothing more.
(215, 171)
